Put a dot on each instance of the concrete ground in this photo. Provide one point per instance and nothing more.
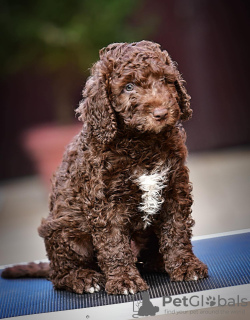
(221, 182)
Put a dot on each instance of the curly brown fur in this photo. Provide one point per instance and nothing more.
(34, 270)
(122, 192)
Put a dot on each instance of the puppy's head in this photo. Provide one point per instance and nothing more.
(137, 85)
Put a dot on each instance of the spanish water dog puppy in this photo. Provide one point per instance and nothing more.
(122, 193)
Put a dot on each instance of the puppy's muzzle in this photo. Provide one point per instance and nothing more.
(160, 114)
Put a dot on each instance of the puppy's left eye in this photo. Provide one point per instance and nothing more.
(129, 87)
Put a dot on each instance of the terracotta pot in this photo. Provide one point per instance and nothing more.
(46, 145)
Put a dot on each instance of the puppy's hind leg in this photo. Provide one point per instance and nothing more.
(73, 264)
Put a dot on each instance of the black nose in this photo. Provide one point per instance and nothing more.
(160, 114)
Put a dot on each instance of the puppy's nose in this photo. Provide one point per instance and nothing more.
(160, 114)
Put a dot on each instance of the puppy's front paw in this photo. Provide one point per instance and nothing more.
(189, 270)
(125, 283)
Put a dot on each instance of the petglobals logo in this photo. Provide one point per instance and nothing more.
(204, 301)
(182, 304)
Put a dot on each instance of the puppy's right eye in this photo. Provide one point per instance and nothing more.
(129, 87)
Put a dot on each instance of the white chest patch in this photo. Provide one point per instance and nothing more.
(152, 185)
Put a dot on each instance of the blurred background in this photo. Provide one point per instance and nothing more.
(47, 48)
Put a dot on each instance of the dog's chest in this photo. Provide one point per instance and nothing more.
(151, 184)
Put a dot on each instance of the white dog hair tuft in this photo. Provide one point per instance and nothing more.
(152, 185)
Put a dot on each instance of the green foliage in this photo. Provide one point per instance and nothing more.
(56, 34)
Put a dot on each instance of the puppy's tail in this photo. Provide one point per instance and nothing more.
(31, 270)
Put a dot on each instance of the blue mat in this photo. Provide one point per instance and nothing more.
(227, 257)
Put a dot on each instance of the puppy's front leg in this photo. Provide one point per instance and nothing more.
(175, 231)
(116, 260)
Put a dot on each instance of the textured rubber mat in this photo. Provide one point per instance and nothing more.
(228, 259)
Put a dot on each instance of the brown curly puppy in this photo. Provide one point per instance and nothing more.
(122, 192)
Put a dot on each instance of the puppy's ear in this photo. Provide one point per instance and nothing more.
(184, 98)
(95, 109)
